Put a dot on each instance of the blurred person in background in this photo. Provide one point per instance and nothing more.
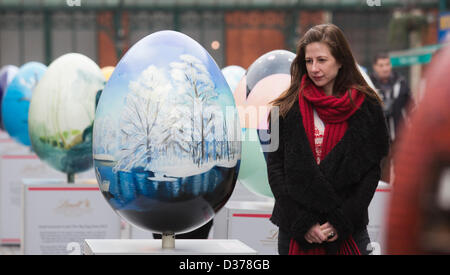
(393, 90)
(396, 96)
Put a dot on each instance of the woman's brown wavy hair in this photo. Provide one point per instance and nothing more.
(347, 78)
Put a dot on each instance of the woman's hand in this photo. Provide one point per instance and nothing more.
(329, 231)
(315, 234)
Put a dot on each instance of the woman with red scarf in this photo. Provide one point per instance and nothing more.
(332, 137)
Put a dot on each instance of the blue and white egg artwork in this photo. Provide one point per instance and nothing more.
(62, 112)
(233, 74)
(16, 102)
(167, 135)
(7, 73)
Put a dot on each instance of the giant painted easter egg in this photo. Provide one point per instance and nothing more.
(16, 102)
(62, 112)
(7, 73)
(266, 78)
(166, 135)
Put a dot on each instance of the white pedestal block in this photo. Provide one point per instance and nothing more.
(58, 216)
(16, 163)
(154, 247)
(248, 222)
(377, 217)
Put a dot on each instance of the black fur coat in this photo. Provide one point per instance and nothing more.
(340, 189)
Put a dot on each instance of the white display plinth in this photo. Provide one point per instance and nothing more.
(58, 216)
(377, 218)
(249, 222)
(154, 247)
(17, 162)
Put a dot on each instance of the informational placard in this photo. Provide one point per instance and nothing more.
(13, 168)
(58, 217)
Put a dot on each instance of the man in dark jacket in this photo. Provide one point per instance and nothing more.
(394, 91)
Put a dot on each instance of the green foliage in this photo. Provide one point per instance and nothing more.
(66, 139)
(401, 27)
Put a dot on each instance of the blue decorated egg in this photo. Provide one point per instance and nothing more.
(167, 135)
(16, 101)
(62, 112)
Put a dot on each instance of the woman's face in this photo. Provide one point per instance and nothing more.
(322, 67)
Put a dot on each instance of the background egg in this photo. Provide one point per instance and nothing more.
(166, 136)
(16, 102)
(62, 113)
(366, 77)
(266, 78)
(233, 74)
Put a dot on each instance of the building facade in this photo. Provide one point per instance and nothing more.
(234, 32)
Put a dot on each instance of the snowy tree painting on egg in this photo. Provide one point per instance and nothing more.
(166, 144)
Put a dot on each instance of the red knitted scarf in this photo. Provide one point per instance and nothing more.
(334, 112)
